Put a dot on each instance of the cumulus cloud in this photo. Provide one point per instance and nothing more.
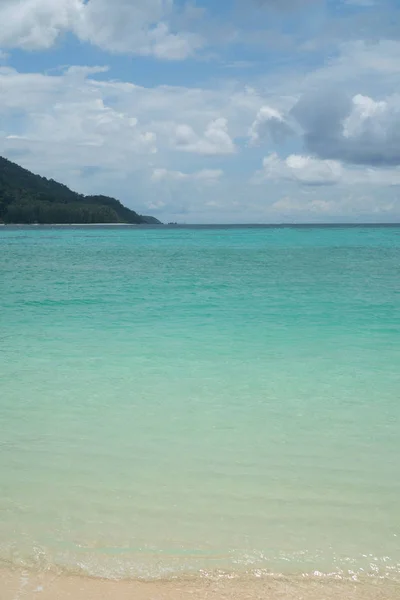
(301, 169)
(215, 140)
(96, 134)
(65, 122)
(312, 172)
(356, 130)
(71, 118)
(88, 122)
(72, 121)
(36, 24)
(269, 124)
(140, 27)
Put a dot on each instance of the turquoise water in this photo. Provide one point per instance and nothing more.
(185, 399)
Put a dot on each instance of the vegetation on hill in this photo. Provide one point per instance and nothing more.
(27, 198)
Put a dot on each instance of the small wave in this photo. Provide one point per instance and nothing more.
(119, 564)
(21, 583)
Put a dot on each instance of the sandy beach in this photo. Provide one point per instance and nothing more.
(25, 585)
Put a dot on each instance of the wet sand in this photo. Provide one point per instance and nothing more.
(25, 585)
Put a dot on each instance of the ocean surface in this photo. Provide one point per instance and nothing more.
(185, 400)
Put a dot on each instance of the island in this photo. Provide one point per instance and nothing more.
(26, 199)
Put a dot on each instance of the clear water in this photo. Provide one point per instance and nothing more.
(200, 398)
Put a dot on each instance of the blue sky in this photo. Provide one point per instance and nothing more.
(209, 111)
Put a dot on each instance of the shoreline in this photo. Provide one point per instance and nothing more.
(24, 584)
(72, 224)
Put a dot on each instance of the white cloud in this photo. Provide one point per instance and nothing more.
(67, 123)
(71, 119)
(349, 206)
(289, 206)
(36, 24)
(301, 169)
(365, 111)
(383, 177)
(215, 140)
(140, 27)
(269, 124)
(358, 130)
(99, 135)
(204, 175)
(309, 171)
(88, 123)
(357, 66)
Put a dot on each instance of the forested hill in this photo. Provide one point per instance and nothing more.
(27, 198)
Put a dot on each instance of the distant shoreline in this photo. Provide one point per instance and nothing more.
(212, 225)
(71, 224)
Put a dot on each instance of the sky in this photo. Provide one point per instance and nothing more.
(209, 111)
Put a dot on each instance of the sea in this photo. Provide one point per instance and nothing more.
(197, 401)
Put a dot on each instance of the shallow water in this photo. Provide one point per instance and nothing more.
(177, 400)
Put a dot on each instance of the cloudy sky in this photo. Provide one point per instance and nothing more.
(204, 111)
